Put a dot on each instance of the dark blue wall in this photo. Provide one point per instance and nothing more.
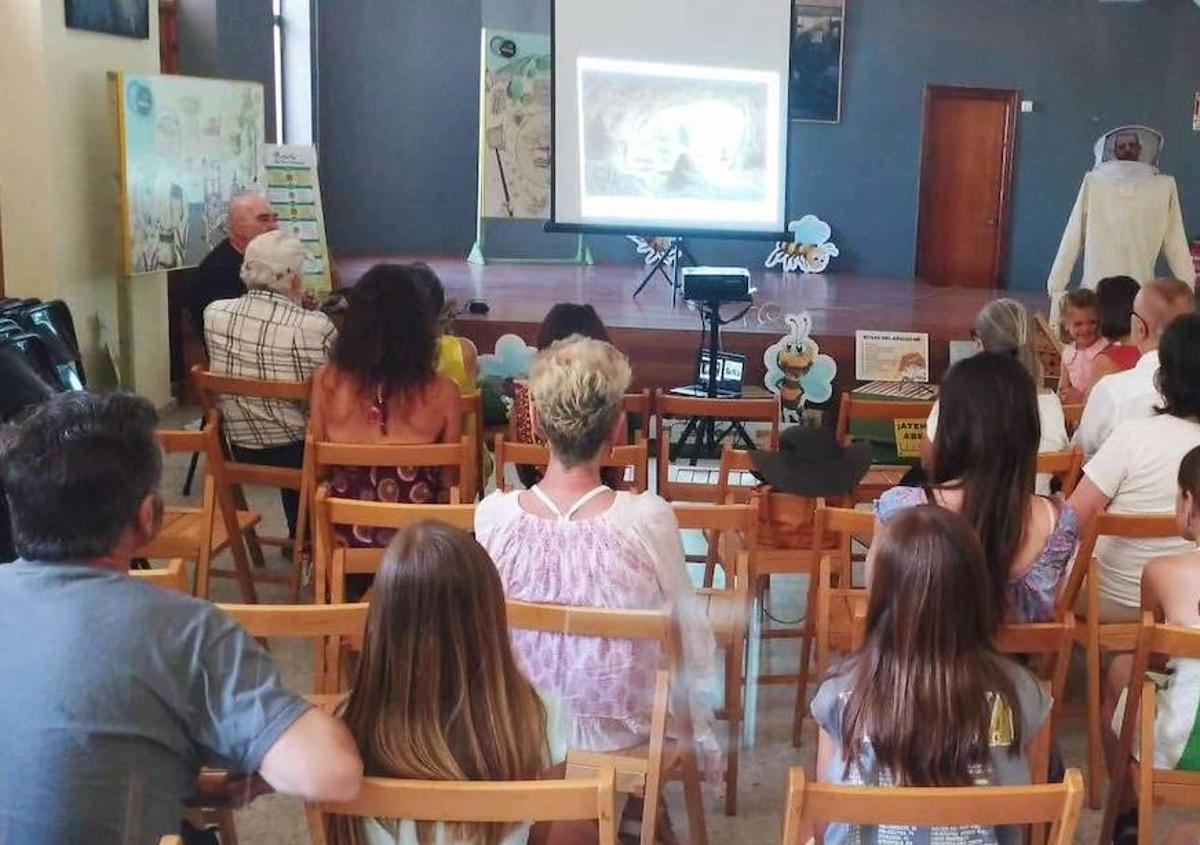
(399, 111)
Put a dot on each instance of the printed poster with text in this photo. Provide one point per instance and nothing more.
(295, 194)
(891, 356)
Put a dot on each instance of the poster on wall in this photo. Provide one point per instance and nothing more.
(130, 18)
(514, 128)
(295, 194)
(187, 146)
(891, 356)
(818, 29)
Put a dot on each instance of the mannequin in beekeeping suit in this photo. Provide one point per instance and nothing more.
(1127, 214)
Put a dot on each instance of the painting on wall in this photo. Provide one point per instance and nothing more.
(130, 18)
(188, 146)
(818, 32)
(515, 142)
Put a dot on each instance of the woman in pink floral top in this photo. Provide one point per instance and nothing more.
(571, 540)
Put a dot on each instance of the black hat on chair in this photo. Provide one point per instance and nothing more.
(811, 462)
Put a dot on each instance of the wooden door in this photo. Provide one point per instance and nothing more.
(967, 147)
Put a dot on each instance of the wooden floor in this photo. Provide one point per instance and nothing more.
(661, 341)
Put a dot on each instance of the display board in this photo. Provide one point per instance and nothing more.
(187, 146)
(515, 125)
(295, 194)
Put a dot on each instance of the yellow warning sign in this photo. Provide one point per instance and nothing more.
(909, 434)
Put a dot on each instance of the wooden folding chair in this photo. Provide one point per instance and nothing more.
(196, 533)
(1096, 637)
(640, 770)
(328, 626)
(171, 577)
(670, 411)
(832, 599)
(638, 408)
(516, 802)
(334, 561)
(1154, 786)
(472, 479)
(232, 475)
(880, 477)
(810, 804)
(1066, 466)
(731, 529)
(635, 457)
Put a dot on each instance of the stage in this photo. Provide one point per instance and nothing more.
(661, 341)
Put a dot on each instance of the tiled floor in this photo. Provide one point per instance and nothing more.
(275, 820)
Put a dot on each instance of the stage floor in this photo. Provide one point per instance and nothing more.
(661, 340)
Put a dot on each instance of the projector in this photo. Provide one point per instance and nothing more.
(719, 284)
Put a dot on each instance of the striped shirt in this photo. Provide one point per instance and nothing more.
(264, 335)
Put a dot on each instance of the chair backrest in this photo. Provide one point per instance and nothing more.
(1052, 640)
(1105, 524)
(470, 406)
(516, 802)
(811, 804)
(639, 408)
(1066, 466)
(1072, 414)
(57, 316)
(736, 488)
(535, 454)
(333, 561)
(320, 454)
(859, 408)
(33, 349)
(170, 577)
(672, 409)
(328, 626)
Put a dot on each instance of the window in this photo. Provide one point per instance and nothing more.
(293, 71)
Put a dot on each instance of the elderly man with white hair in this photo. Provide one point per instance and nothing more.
(266, 334)
(217, 277)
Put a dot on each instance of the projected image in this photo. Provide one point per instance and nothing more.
(671, 141)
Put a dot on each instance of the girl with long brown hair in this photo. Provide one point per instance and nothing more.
(438, 695)
(927, 701)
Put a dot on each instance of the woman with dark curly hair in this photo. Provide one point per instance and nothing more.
(380, 386)
(1135, 471)
(1114, 307)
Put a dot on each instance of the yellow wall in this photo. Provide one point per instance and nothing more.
(59, 189)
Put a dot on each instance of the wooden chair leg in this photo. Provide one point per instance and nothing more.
(693, 798)
(297, 573)
(226, 829)
(1096, 764)
(806, 650)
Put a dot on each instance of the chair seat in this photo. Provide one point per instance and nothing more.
(180, 535)
(879, 479)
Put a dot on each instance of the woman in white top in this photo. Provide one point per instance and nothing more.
(1135, 471)
(1004, 326)
(571, 540)
(438, 695)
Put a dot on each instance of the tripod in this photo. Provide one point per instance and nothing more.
(673, 256)
(703, 430)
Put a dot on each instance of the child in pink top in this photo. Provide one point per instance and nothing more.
(1081, 322)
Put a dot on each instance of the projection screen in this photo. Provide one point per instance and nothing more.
(670, 115)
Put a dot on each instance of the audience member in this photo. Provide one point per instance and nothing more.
(457, 357)
(115, 691)
(1132, 394)
(380, 387)
(1115, 297)
(1082, 325)
(562, 321)
(571, 540)
(438, 695)
(1171, 589)
(985, 472)
(1004, 326)
(1135, 471)
(266, 334)
(927, 701)
(219, 274)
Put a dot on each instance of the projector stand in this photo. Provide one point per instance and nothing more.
(674, 255)
(704, 429)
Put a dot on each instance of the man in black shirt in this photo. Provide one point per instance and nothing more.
(219, 274)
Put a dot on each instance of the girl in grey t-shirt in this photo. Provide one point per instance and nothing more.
(928, 701)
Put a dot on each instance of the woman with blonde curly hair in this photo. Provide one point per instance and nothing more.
(571, 540)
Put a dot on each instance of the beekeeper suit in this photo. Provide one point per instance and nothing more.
(1126, 214)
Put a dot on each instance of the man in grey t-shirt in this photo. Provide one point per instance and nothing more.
(116, 692)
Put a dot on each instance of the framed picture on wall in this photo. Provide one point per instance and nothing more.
(818, 36)
(130, 18)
